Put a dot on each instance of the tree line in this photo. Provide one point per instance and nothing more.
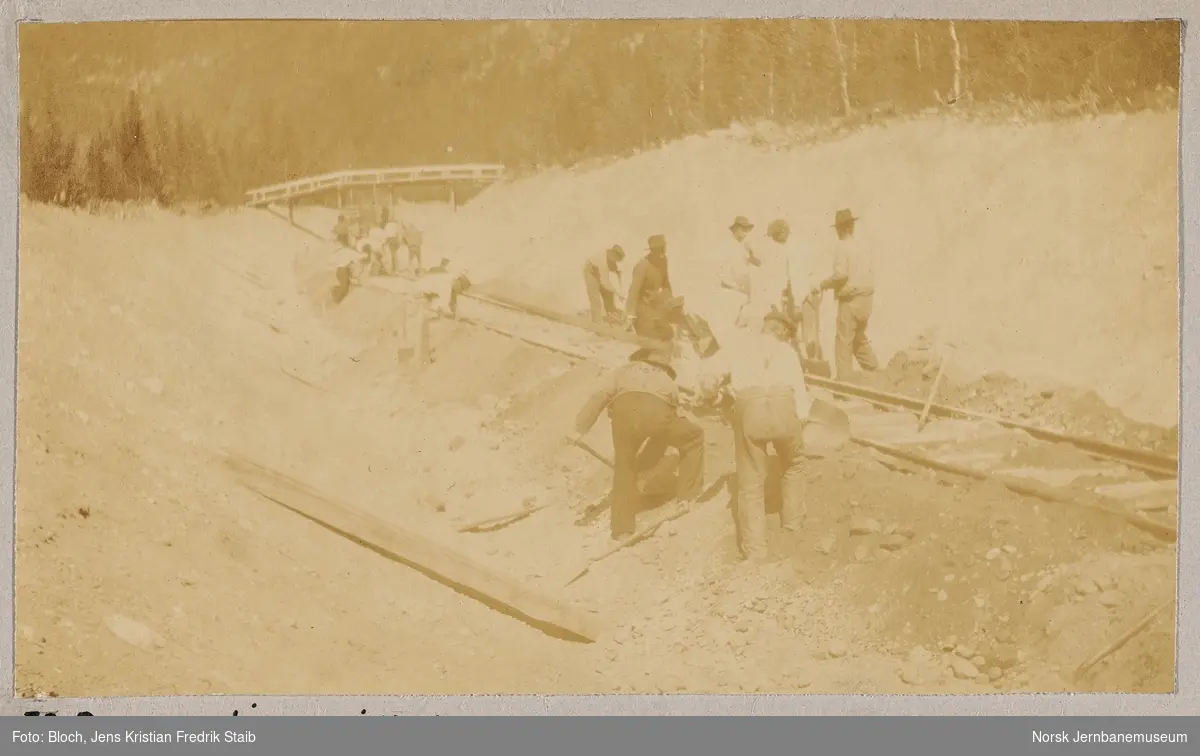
(281, 100)
(135, 157)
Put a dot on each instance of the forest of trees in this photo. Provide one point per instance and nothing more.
(202, 111)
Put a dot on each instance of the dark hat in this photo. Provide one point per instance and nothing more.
(741, 222)
(617, 250)
(777, 226)
(656, 242)
(656, 356)
(843, 217)
(779, 317)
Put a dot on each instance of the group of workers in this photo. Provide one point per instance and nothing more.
(753, 368)
(378, 237)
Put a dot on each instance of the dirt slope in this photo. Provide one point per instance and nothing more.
(148, 348)
(1048, 250)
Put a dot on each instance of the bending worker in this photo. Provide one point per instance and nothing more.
(771, 403)
(598, 274)
(642, 399)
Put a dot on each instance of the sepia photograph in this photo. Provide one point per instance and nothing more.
(684, 356)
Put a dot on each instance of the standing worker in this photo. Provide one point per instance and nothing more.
(770, 406)
(853, 285)
(651, 305)
(392, 254)
(802, 292)
(767, 272)
(412, 238)
(598, 274)
(642, 399)
(736, 268)
(341, 231)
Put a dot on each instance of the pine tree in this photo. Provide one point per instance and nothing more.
(143, 180)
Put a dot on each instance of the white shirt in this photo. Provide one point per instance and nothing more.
(804, 270)
(752, 359)
(376, 238)
(392, 230)
(768, 279)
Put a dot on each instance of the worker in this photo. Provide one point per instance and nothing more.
(598, 274)
(770, 405)
(733, 282)
(341, 231)
(766, 275)
(651, 307)
(801, 296)
(853, 285)
(443, 284)
(412, 238)
(391, 255)
(642, 398)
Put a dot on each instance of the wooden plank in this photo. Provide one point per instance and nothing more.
(499, 592)
(483, 294)
(1036, 490)
(977, 460)
(1151, 462)
(1059, 477)
(1139, 489)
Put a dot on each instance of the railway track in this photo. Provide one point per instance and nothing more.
(1134, 485)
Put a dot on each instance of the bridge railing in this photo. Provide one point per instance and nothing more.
(475, 172)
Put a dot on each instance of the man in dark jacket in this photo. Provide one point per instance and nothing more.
(651, 305)
(642, 399)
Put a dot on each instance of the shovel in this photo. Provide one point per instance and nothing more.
(827, 429)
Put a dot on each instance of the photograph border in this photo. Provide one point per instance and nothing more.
(1186, 701)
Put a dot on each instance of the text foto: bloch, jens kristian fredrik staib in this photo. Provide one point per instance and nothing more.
(93, 737)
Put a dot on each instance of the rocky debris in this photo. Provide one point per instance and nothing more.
(963, 669)
(861, 553)
(837, 649)
(893, 543)
(1004, 570)
(994, 674)
(861, 526)
(1110, 599)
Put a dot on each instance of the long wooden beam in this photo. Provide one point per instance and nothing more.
(499, 592)
(1025, 488)
(1151, 462)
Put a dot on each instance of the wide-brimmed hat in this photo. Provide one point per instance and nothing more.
(776, 316)
(843, 217)
(655, 356)
(656, 242)
(741, 222)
